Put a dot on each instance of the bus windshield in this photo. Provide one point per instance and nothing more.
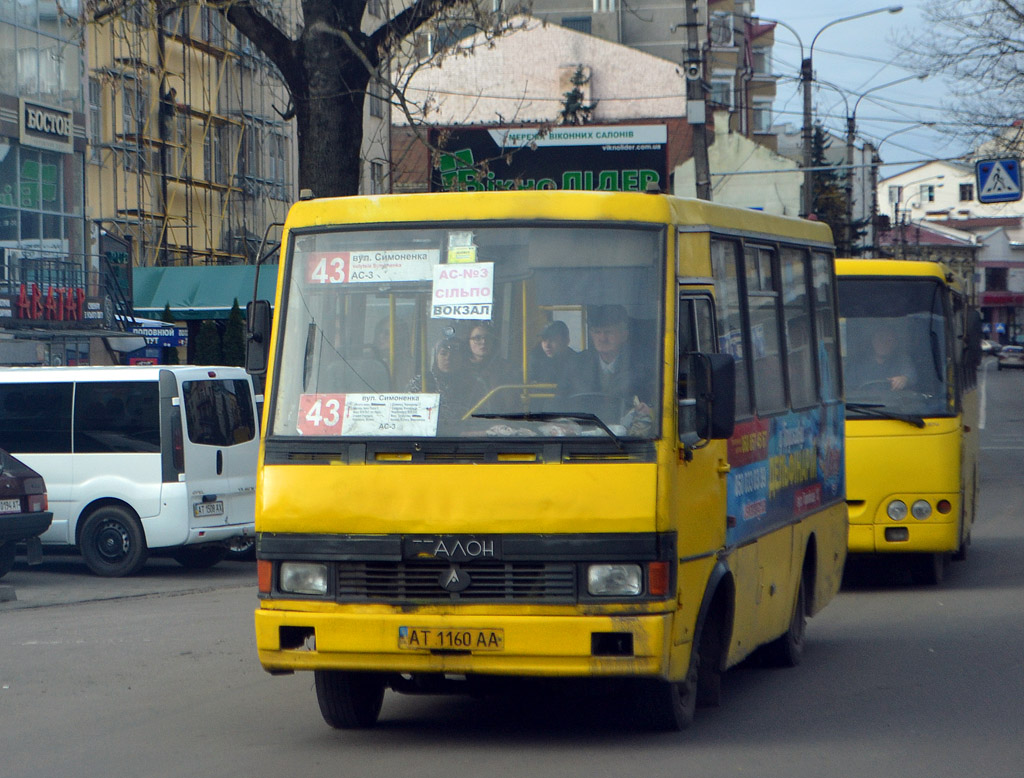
(896, 347)
(471, 331)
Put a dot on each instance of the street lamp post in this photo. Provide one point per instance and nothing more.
(806, 77)
(851, 131)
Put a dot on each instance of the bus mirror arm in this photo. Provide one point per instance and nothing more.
(715, 377)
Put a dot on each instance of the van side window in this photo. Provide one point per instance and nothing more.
(117, 417)
(35, 418)
(218, 413)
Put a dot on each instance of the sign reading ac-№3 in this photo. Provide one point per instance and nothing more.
(998, 180)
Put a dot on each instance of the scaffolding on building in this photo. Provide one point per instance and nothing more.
(191, 152)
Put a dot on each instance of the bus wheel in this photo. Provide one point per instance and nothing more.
(200, 557)
(349, 700)
(6, 557)
(667, 706)
(928, 569)
(788, 649)
(112, 542)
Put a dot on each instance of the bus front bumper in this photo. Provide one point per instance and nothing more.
(496, 644)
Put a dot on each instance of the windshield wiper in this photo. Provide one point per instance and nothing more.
(551, 415)
(877, 411)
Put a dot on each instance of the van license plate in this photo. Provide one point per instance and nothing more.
(208, 508)
(419, 638)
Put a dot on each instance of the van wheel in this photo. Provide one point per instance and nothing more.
(788, 649)
(6, 557)
(112, 542)
(349, 700)
(200, 557)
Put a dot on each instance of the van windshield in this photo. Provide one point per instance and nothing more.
(471, 331)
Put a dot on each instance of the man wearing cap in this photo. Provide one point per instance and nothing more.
(604, 379)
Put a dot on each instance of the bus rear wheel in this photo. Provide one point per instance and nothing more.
(112, 542)
(788, 649)
(349, 700)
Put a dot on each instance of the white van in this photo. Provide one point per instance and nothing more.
(137, 458)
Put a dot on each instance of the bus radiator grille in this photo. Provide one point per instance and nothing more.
(419, 581)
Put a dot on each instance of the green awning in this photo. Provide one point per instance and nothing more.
(205, 292)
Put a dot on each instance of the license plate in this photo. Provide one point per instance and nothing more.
(421, 638)
(10, 506)
(207, 508)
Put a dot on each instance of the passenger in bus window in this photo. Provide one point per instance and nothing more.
(607, 379)
(449, 378)
(485, 365)
(887, 363)
(549, 359)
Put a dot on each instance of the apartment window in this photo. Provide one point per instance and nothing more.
(577, 23)
(895, 194)
(605, 6)
(761, 60)
(377, 178)
(966, 192)
(721, 91)
(927, 192)
(720, 28)
(375, 93)
(761, 118)
(135, 107)
(95, 119)
(373, 8)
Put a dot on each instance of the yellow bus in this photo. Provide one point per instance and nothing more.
(583, 435)
(911, 348)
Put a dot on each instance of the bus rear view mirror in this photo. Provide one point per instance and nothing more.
(257, 346)
(715, 383)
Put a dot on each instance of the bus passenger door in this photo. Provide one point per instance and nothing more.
(702, 465)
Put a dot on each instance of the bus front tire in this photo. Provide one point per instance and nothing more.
(200, 557)
(349, 700)
(112, 542)
(928, 569)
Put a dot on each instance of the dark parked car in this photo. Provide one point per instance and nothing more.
(23, 510)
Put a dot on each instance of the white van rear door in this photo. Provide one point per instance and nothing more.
(220, 445)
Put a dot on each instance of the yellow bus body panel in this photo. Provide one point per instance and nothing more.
(432, 499)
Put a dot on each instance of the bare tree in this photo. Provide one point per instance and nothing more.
(327, 63)
(979, 44)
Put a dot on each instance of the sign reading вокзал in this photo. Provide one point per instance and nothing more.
(45, 126)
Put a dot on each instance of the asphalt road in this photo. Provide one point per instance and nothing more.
(157, 676)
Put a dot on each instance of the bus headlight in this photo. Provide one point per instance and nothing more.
(896, 510)
(921, 509)
(609, 580)
(303, 578)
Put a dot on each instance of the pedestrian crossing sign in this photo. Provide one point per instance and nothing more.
(998, 180)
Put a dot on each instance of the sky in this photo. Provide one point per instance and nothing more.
(853, 57)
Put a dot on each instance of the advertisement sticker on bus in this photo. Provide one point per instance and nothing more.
(365, 267)
(368, 414)
(463, 291)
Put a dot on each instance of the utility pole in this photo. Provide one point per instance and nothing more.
(696, 105)
(806, 77)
